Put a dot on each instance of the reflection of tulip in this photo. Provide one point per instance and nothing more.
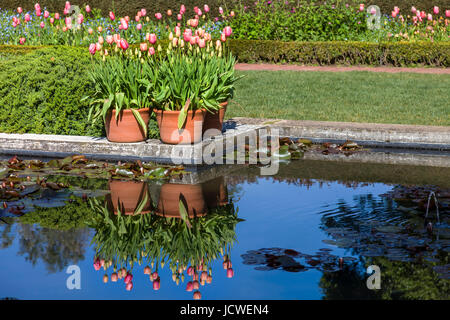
(97, 264)
(195, 284)
(197, 295)
(128, 278)
(147, 269)
(156, 284)
(204, 276)
(155, 275)
(189, 286)
(114, 277)
(230, 273)
(105, 278)
(190, 271)
(208, 279)
(129, 286)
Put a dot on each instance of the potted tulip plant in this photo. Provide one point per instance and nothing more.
(120, 96)
(194, 79)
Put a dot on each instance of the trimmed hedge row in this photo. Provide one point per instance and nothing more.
(130, 7)
(343, 52)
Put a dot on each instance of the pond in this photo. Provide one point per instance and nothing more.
(309, 232)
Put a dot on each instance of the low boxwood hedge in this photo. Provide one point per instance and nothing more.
(397, 54)
(40, 91)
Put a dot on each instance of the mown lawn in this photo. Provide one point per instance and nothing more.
(403, 98)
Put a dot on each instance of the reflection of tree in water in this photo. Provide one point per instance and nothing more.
(55, 248)
(397, 242)
(7, 235)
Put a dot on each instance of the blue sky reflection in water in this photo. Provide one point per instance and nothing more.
(277, 214)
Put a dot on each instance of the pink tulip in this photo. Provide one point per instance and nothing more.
(199, 12)
(46, 14)
(189, 286)
(80, 19)
(97, 264)
(139, 26)
(143, 46)
(19, 10)
(109, 39)
(206, 8)
(100, 29)
(232, 14)
(182, 9)
(430, 17)
(57, 16)
(423, 14)
(124, 44)
(90, 31)
(52, 20)
(27, 17)
(169, 12)
(218, 44)
(413, 10)
(223, 37)
(158, 15)
(179, 16)
(152, 38)
(436, 10)
(394, 14)
(137, 18)
(196, 10)
(228, 31)
(220, 10)
(230, 273)
(177, 31)
(37, 6)
(42, 25)
(38, 13)
(114, 277)
(98, 46)
(88, 9)
(194, 23)
(361, 7)
(187, 34)
(101, 40)
(447, 13)
(151, 50)
(66, 12)
(67, 5)
(116, 38)
(129, 286)
(22, 40)
(193, 40)
(112, 16)
(143, 12)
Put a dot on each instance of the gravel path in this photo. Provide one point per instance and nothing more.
(289, 67)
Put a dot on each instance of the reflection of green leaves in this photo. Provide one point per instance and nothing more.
(183, 212)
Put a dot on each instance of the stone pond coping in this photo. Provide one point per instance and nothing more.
(393, 144)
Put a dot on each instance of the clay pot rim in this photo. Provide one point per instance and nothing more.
(129, 110)
(178, 111)
(132, 214)
(159, 213)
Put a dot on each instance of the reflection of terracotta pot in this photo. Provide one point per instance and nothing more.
(128, 195)
(215, 120)
(191, 131)
(169, 200)
(126, 128)
(215, 192)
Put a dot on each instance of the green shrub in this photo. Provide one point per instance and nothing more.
(343, 52)
(40, 92)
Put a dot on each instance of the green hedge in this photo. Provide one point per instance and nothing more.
(40, 92)
(130, 7)
(343, 52)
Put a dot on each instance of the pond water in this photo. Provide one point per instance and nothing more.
(309, 232)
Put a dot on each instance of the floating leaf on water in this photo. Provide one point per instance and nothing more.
(30, 190)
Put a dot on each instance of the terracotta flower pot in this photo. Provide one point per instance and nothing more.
(215, 120)
(127, 195)
(191, 131)
(126, 128)
(215, 192)
(169, 200)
